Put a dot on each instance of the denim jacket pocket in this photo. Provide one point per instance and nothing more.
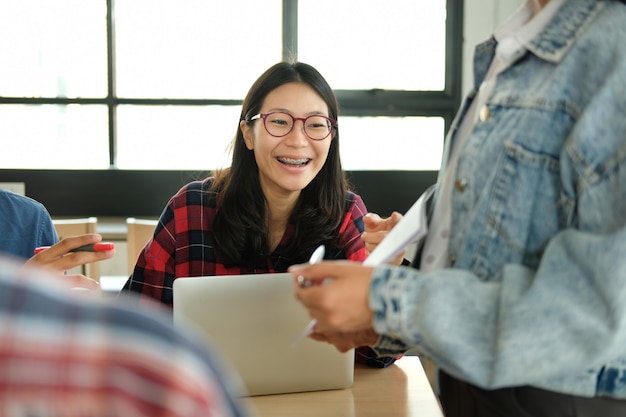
(526, 209)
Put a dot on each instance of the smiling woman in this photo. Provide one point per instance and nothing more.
(288, 159)
(284, 194)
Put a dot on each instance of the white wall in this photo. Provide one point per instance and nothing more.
(481, 18)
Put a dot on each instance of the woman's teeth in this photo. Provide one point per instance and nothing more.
(291, 161)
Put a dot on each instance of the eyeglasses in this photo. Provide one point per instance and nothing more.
(279, 124)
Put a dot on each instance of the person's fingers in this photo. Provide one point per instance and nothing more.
(67, 244)
(376, 229)
(342, 303)
(393, 220)
(345, 341)
(312, 299)
(342, 341)
(81, 281)
(74, 259)
(373, 236)
(320, 337)
(342, 344)
(60, 258)
(372, 239)
(305, 276)
(372, 221)
(318, 301)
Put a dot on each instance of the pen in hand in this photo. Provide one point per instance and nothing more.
(317, 256)
(93, 247)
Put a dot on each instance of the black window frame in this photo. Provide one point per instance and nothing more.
(143, 193)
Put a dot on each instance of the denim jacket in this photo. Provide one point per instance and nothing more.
(536, 294)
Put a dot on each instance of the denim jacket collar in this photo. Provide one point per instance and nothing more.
(553, 43)
(559, 35)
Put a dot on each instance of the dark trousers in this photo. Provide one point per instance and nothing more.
(460, 399)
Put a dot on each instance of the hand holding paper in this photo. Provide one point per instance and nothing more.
(412, 227)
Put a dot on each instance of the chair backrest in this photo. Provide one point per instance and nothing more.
(139, 231)
(73, 227)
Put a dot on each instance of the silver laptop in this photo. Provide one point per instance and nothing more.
(253, 321)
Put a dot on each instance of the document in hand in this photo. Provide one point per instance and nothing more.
(412, 227)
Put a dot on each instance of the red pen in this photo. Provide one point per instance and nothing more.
(94, 247)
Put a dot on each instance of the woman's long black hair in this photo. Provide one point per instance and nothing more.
(240, 228)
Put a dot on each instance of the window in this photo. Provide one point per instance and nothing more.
(157, 85)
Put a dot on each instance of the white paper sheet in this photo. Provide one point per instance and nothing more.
(412, 227)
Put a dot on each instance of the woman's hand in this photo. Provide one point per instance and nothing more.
(341, 304)
(346, 341)
(59, 258)
(376, 229)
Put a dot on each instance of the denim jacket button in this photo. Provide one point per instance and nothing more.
(452, 260)
(460, 184)
(484, 113)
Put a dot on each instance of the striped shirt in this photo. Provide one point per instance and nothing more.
(67, 353)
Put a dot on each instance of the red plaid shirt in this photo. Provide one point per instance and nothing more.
(182, 246)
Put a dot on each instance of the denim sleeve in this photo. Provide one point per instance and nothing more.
(46, 233)
(496, 334)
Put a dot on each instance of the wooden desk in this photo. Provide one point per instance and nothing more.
(401, 390)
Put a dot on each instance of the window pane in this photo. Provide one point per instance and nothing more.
(400, 143)
(175, 137)
(54, 137)
(194, 49)
(53, 48)
(365, 44)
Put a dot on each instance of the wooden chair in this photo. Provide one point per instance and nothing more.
(139, 231)
(73, 227)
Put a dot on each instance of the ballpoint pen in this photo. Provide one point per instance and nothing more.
(317, 256)
(94, 247)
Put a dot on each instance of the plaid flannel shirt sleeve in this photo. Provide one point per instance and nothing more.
(173, 250)
(153, 275)
(351, 229)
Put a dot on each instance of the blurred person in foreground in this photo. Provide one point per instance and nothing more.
(68, 355)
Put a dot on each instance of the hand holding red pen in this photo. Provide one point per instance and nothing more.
(67, 254)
